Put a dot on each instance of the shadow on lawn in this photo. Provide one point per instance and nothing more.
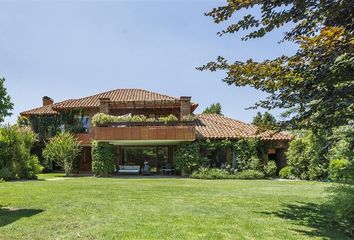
(319, 217)
(8, 215)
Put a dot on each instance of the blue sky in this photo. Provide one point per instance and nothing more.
(75, 49)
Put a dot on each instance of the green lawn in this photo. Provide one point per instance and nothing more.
(162, 208)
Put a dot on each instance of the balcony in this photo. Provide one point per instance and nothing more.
(179, 130)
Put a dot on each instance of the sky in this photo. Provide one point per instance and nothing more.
(73, 49)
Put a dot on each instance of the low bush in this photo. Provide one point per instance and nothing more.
(249, 174)
(30, 168)
(212, 173)
(286, 172)
(103, 158)
(337, 169)
(270, 169)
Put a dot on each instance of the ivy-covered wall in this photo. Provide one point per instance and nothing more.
(46, 126)
(248, 153)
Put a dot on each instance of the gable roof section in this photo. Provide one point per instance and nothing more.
(214, 126)
(118, 95)
(44, 110)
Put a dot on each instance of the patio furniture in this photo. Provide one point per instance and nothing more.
(146, 169)
(167, 170)
(134, 169)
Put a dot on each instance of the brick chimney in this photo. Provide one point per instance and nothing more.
(47, 101)
(185, 106)
(104, 105)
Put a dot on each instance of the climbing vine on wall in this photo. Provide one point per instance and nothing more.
(249, 151)
(46, 126)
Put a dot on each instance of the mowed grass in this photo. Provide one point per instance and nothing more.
(162, 208)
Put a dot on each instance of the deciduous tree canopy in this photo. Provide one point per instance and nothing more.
(316, 85)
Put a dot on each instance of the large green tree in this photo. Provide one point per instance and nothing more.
(5, 102)
(315, 86)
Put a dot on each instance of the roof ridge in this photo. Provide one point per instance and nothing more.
(215, 114)
(118, 89)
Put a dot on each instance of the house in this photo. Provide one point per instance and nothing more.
(155, 142)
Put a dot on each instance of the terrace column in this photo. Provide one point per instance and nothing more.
(185, 106)
(104, 108)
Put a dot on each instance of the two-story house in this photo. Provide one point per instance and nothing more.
(154, 142)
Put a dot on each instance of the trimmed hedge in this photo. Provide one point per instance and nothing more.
(103, 158)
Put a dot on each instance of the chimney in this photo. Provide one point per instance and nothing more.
(185, 106)
(47, 101)
(104, 105)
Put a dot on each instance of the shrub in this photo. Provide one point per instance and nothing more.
(307, 156)
(63, 149)
(212, 173)
(187, 158)
(103, 158)
(6, 173)
(254, 164)
(298, 157)
(16, 160)
(270, 169)
(31, 168)
(286, 172)
(337, 169)
(250, 174)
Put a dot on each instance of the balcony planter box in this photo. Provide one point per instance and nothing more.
(133, 124)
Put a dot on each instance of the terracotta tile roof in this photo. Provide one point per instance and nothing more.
(118, 95)
(44, 110)
(214, 126)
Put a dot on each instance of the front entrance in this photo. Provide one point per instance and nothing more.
(157, 156)
(86, 159)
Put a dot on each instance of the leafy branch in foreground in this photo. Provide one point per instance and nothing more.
(315, 86)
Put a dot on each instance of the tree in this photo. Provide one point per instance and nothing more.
(315, 85)
(5, 102)
(63, 149)
(214, 108)
(264, 121)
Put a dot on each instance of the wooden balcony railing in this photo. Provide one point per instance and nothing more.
(84, 138)
(124, 132)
